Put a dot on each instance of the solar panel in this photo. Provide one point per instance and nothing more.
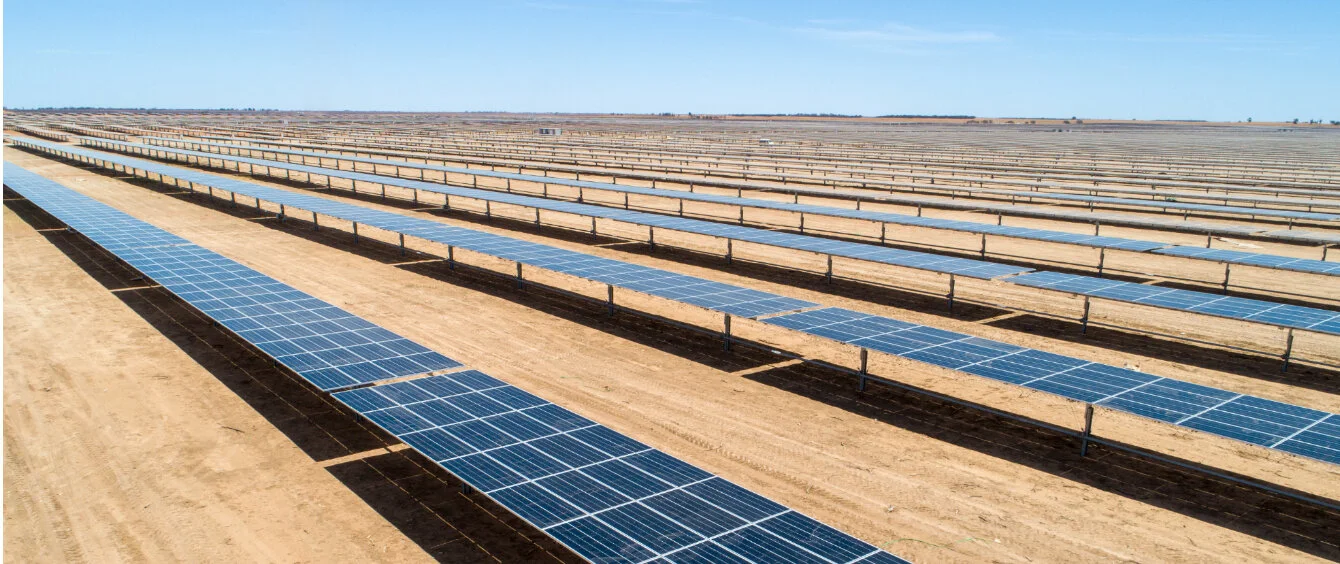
(1134, 245)
(874, 253)
(1241, 210)
(1167, 204)
(1255, 259)
(886, 217)
(327, 346)
(605, 496)
(1290, 428)
(1284, 315)
(701, 292)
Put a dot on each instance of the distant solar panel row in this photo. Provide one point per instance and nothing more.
(1283, 315)
(1298, 317)
(1289, 428)
(1135, 245)
(607, 497)
(1211, 208)
(892, 218)
(875, 253)
(1255, 259)
(929, 186)
(327, 346)
(701, 292)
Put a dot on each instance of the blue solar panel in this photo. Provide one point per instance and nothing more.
(1172, 205)
(1258, 259)
(1298, 317)
(704, 293)
(327, 346)
(874, 253)
(1134, 245)
(1255, 259)
(1259, 421)
(605, 496)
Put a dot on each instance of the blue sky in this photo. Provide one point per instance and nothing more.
(1130, 59)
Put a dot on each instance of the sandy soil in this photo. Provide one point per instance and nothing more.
(923, 479)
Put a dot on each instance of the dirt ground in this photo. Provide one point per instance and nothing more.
(147, 435)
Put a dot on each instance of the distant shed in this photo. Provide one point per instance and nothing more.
(549, 131)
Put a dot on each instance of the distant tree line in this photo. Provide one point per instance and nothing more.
(798, 115)
(927, 116)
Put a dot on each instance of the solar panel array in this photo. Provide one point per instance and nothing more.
(1134, 245)
(1034, 193)
(327, 346)
(874, 253)
(1271, 424)
(1306, 434)
(604, 495)
(1284, 315)
(725, 298)
(1255, 259)
(1166, 204)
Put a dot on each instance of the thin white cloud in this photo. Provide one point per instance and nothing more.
(551, 6)
(895, 33)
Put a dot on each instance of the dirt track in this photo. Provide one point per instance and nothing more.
(121, 445)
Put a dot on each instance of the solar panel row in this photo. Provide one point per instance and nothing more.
(327, 346)
(1281, 426)
(1034, 193)
(701, 292)
(1135, 245)
(1283, 315)
(875, 253)
(602, 494)
(607, 497)
(1290, 316)
(1167, 204)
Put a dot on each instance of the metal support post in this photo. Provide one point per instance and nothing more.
(1102, 255)
(488, 210)
(1088, 430)
(1228, 266)
(729, 251)
(355, 232)
(1288, 350)
(951, 292)
(402, 244)
(609, 300)
(865, 354)
(1084, 320)
(451, 257)
(725, 334)
(828, 276)
(519, 278)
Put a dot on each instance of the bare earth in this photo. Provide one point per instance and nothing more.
(135, 432)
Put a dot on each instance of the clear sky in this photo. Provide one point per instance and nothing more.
(1220, 60)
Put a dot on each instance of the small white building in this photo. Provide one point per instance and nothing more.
(765, 141)
(549, 131)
